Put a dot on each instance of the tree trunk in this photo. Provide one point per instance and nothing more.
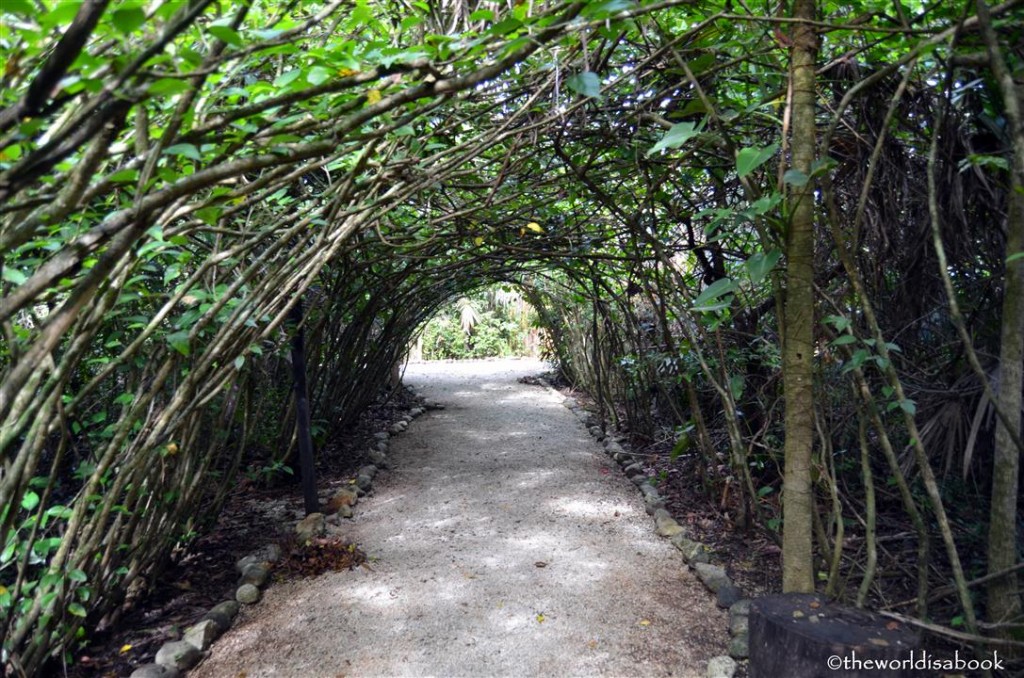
(1004, 603)
(798, 339)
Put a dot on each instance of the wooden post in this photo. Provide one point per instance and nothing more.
(306, 467)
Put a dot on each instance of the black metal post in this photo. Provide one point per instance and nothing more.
(302, 426)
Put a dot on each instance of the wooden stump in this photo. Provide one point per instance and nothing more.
(800, 635)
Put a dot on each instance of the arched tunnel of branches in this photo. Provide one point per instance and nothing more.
(177, 179)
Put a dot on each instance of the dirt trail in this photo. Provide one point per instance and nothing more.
(504, 543)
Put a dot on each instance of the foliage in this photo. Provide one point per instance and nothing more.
(503, 326)
(175, 176)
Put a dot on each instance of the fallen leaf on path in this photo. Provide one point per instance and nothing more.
(645, 622)
(540, 563)
(540, 617)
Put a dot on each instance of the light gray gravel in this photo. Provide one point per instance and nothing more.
(503, 543)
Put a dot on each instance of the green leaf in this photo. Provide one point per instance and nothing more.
(78, 575)
(127, 19)
(844, 339)
(179, 342)
(1014, 257)
(677, 135)
(586, 84)
(318, 75)
(168, 86)
(712, 292)
(29, 500)
(600, 10)
(226, 34)
(76, 609)
(287, 78)
(124, 176)
(761, 263)
(13, 275)
(765, 491)
(22, 7)
(795, 177)
(482, 15)
(908, 406)
(736, 383)
(749, 159)
(187, 150)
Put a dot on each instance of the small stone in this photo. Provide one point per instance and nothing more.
(272, 553)
(364, 482)
(155, 671)
(383, 435)
(367, 470)
(721, 667)
(739, 646)
(377, 458)
(596, 432)
(178, 655)
(652, 503)
(570, 403)
(612, 447)
(228, 608)
(222, 620)
(727, 595)
(311, 526)
(624, 458)
(202, 634)
(667, 527)
(814, 619)
(661, 514)
(741, 607)
(247, 594)
(693, 552)
(339, 516)
(633, 469)
(255, 574)
(639, 479)
(382, 446)
(346, 496)
(712, 576)
(245, 562)
(738, 623)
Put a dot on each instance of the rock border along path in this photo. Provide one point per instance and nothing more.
(502, 543)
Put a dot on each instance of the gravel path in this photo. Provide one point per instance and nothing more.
(504, 543)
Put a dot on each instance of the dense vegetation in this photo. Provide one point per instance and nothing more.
(493, 323)
(785, 243)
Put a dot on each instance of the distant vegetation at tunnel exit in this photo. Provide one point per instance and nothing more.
(497, 322)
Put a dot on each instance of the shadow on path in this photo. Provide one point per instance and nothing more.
(503, 543)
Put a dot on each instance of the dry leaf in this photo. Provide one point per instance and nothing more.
(880, 642)
(125, 648)
(540, 563)
(645, 622)
(892, 626)
(814, 604)
(540, 617)
(373, 96)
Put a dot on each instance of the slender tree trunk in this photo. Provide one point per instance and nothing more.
(1004, 603)
(798, 340)
(308, 469)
